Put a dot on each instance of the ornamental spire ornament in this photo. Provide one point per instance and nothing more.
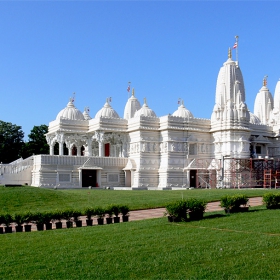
(265, 81)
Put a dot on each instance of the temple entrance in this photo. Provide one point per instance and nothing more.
(193, 175)
(89, 178)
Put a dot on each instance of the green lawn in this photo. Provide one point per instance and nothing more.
(18, 199)
(239, 246)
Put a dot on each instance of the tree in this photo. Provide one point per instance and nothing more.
(37, 143)
(11, 142)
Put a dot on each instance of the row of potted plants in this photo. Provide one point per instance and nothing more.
(183, 210)
(46, 219)
(193, 209)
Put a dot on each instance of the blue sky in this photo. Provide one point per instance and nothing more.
(167, 50)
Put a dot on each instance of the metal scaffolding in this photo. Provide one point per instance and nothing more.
(237, 173)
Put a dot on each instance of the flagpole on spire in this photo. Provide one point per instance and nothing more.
(128, 88)
(236, 47)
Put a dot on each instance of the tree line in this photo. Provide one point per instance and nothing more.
(13, 146)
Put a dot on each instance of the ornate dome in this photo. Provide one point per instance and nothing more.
(277, 96)
(254, 119)
(107, 111)
(70, 112)
(132, 105)
(263, 103)
(182, 112)
(86, 114)
(145, 111)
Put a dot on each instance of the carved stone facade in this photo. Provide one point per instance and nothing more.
(142, 150)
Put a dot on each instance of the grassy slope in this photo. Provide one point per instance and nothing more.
(239, 246)
(29, 198)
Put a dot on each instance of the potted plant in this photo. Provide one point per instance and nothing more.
(19, 220)
(76, 217)
(7, 220)
(272, 200)
(176, 211)
(49, 219)
(27, 218)
(39, 220)
(124, 209)
(57, 216)
(196, 208)
(67, 215)
(1, 222)
(109, 212)
(89, 212)
(100, 213)
(234, 203)
(116, 211)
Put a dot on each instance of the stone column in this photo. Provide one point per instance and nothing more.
(60, 140)
(51, 150)
(100, 139)
(79, 150)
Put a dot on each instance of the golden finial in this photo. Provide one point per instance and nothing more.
(229, 52)
(265, 81)
(133, 92)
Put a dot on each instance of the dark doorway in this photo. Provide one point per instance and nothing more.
(88, 178)
(107, 149)
(193, 178)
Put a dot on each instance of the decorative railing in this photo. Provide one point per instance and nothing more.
(16, 166)
(80, 160)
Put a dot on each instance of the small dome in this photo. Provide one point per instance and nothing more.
(107, 111)
(182, 112)
(145, 111)
(70, 112)
(86, 114)
(132, 105)
(254, 119)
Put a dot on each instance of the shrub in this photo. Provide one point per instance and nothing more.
(1, 219)
(76, 215)
(18, 219)
(272, 200)
(100, 212)
(196, 205)
(89, 212)
(233, 202)
(38, 218)
(27, 217)
(7, 219)
(116, 210)
(67, 214)
(57, 215)
(110, 210)
(177, 210)
(124, 209)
